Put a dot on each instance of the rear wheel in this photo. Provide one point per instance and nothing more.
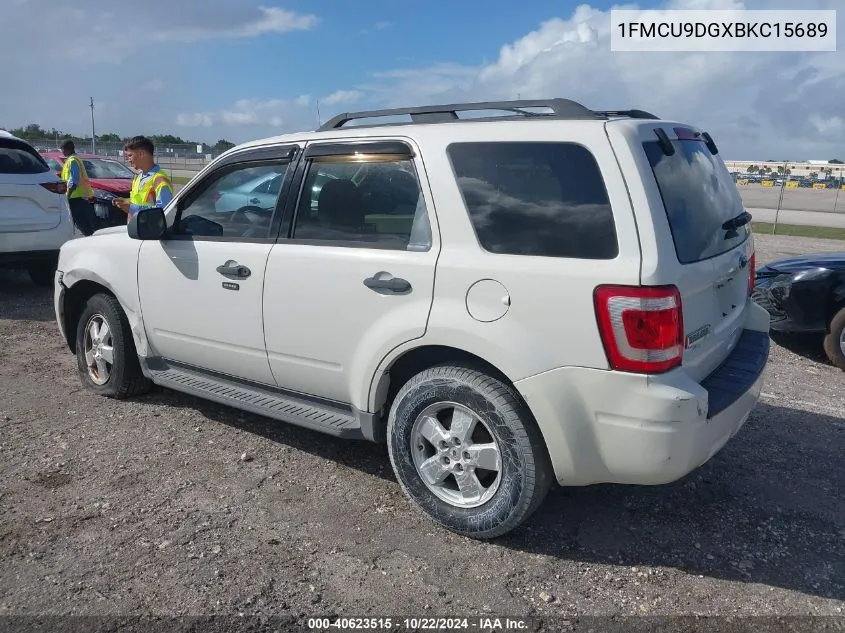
(467, 452)
(834, 342)
(105, 352)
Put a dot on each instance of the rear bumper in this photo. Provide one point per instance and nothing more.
(611, 427)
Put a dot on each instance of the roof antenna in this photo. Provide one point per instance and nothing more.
(319, 120)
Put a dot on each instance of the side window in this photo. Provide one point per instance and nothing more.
(375, 202)
(238, 203)
(535, 198)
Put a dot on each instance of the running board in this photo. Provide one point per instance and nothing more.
(336, 420)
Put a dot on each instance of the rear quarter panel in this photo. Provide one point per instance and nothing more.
(550, 321)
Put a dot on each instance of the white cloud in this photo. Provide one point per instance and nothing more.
(270, 20)
(755, 104)
(197, 119)
(248, 112)
(831, 125)
(342, 96)
(153, 85)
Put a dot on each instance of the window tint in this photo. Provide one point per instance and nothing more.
(370, 203)
(699, 195)
(535, 198)
(240, 203)
(17, 158)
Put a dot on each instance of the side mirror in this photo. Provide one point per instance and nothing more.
(148, 224)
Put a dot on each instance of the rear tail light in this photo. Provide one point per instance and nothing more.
(55, 187)
(752, 273)
(642, 327)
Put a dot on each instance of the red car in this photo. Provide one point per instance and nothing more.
(108, 177)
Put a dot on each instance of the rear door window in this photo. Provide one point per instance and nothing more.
(535, 198)
(18, 158)
(699, 195)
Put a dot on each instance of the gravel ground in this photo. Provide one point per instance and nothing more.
(147, 507)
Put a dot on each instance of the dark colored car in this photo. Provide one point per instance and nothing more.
(806, 294)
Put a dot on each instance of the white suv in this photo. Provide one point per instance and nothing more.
(34, 215)
(551, 294)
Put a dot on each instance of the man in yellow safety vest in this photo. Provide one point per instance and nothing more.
(152, 186)
(79, 191)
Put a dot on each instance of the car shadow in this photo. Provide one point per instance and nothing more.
(361, 455)
(22, 300)
(807, 345)
(767, 509)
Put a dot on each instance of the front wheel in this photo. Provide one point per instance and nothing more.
(467, 451)
(834, 342)
(105, 352)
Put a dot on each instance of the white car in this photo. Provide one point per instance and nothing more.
(34, 215)
(505, 301)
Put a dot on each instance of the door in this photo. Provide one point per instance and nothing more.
(201, 288)
(355, 277)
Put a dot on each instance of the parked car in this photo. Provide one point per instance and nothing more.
(806, 294)
(34, 215)
(109, 178)
(505, 302)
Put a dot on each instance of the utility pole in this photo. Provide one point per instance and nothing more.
(780, 199)
(93, 134)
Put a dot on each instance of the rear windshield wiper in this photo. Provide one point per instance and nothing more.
(734, 223)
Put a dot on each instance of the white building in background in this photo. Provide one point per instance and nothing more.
(796, 168)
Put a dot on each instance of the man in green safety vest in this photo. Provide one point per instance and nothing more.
(79, 191)
(152, 186)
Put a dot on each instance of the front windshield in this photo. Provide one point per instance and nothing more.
(101, 168)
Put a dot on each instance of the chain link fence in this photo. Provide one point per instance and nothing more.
(791, 186)
(179, 160)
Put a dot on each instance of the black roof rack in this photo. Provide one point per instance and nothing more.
(561, 109)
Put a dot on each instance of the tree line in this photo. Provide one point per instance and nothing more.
(35, 133)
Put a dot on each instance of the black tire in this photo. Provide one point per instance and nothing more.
(832, 347)
(125, 378)
(525, 473)
(42, 274)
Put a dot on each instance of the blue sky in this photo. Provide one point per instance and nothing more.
(246, 69)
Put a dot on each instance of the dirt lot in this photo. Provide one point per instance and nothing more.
(146, 507)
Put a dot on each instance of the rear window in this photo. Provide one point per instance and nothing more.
(535, 198)
(18, 158)
(699, 195)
